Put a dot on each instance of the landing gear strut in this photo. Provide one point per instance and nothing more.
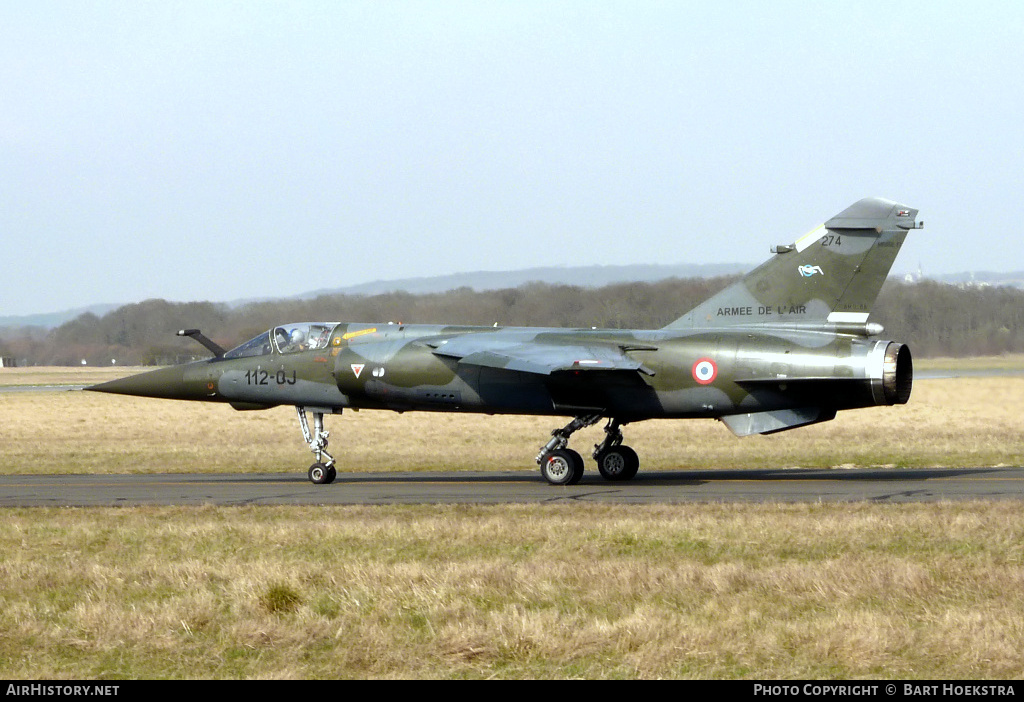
(615, 461)
(322, 472)
(560, 465)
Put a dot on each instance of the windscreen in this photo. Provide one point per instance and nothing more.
(257, 346)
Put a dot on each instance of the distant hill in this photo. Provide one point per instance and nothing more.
(53, 319)
(580, 276)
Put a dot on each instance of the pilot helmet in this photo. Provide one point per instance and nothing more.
(297, 336)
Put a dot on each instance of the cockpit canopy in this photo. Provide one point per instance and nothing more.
(286, 338)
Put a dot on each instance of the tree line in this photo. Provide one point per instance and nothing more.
(935, 319)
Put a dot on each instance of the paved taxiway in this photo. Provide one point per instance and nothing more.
(789, 485)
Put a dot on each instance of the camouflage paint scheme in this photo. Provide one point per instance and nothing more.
(786, 346)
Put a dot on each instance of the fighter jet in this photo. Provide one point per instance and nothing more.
(786, 346)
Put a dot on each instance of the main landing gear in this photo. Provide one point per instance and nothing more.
(322, 472)
(560, 465)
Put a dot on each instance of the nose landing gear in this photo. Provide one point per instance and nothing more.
(322, 472)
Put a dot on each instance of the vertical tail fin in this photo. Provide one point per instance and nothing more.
(831, 275)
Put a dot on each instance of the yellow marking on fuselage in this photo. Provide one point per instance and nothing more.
(361, 332)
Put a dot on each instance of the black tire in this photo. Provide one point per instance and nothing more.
(319, 474)
(562, 467)
(578, 466)
(618, 463)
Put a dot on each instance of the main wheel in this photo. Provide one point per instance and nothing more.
(562, 467)
(618, 463)
(319, 474)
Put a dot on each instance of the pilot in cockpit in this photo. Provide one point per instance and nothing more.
(297, 340)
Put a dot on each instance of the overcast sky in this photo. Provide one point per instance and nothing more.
(222, 150)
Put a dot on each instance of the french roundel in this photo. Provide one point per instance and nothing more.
(705, 371)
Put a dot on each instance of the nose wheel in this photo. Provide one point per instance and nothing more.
(320, 474)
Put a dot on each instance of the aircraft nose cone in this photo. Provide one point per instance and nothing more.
(167, 383)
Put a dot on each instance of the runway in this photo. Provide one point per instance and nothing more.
(658, 487)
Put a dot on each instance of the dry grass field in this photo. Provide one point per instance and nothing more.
(698, 591)
(551, 591)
